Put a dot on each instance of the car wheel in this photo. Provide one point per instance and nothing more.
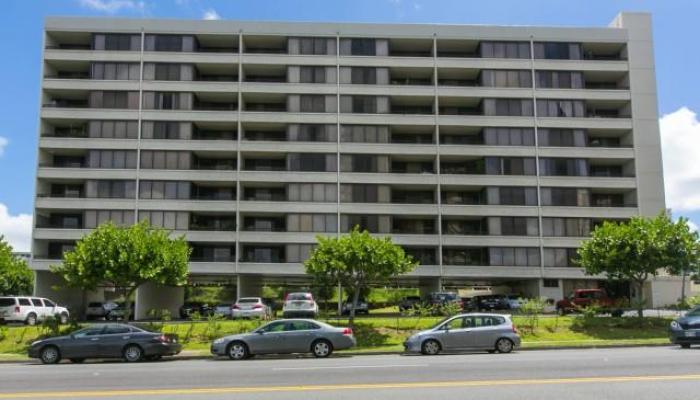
(237, 351)
(430, 347)
(31, 319)
(63, 318)
(685, 345)
(561, 311)
(321, 348)
(50, 355)
(616, 313)
(504, 345)
(132, 353)
(77, 360)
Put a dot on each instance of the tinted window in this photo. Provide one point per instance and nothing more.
(249, 300)
(274, 327)
(49, 303)
(94, 304)
(117, 329)
(24, 302)
(37, 303)
(7, 302)
(87, 332)
(489, 321)
(301, 326)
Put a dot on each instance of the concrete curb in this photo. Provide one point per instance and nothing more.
(385, 353)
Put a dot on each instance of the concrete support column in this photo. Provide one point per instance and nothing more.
(153, 297)
(249, 286)
(429, 285)
(556, 293)
(53, 287)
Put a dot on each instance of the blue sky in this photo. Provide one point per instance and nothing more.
(675, 33)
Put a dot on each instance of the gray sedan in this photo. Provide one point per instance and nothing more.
(286, 336)
(491, 332)
(106, 341)
(685, 330)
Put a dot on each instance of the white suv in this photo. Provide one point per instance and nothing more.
(299, 305)
(30, 310)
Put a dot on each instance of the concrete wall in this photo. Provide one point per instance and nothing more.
(153, 297)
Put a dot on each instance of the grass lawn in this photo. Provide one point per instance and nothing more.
(388, 334)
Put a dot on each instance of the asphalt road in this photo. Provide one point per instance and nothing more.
(656, 373)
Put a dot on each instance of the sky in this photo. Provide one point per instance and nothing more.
(675, 38)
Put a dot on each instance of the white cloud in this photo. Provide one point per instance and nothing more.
(17, 229)
(211, 14)
(692, 225)
(113, 6)
(3, 144)
(680, 142)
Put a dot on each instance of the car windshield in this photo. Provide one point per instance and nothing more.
(693, 313)
(299, 296)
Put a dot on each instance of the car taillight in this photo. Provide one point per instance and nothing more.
(236, 307)
(257, 306)
(16, 309)
(347, 331)
(163, 338)
(515, 330)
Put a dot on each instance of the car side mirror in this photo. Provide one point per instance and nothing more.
(260, 332)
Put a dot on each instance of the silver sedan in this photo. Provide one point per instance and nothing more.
(476, 331)
(286, 336)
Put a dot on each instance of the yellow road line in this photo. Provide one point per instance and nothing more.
(350, 386)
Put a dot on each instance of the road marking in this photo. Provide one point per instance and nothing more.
(350, 386)
(350, 367)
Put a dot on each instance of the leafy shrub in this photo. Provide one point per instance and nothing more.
(531, 310)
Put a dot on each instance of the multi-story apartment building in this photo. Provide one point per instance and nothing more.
(488, 152)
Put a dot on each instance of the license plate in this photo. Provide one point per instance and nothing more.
(690, 334)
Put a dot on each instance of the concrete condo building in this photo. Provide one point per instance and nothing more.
(488, 152)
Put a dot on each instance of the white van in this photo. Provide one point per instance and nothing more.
(30, 310)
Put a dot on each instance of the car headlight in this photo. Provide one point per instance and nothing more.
(675, 325)
(219, 341)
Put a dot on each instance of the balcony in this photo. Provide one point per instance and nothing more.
(212, 223)
(264, 194)
(67, 132)
(265, 165)
(214, 106)
(216, 78)
(218, 164)
(213, 193)
(68, 75)
(265, 107)
(421, 110)
(211, 134)
(67, 103)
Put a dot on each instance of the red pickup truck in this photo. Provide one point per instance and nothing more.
(585, 297)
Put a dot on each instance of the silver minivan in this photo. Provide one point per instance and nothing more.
(475, 331)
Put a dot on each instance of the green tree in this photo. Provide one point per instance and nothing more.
(639, 249)
(355, 260)
(125, 258)
(15, 275)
